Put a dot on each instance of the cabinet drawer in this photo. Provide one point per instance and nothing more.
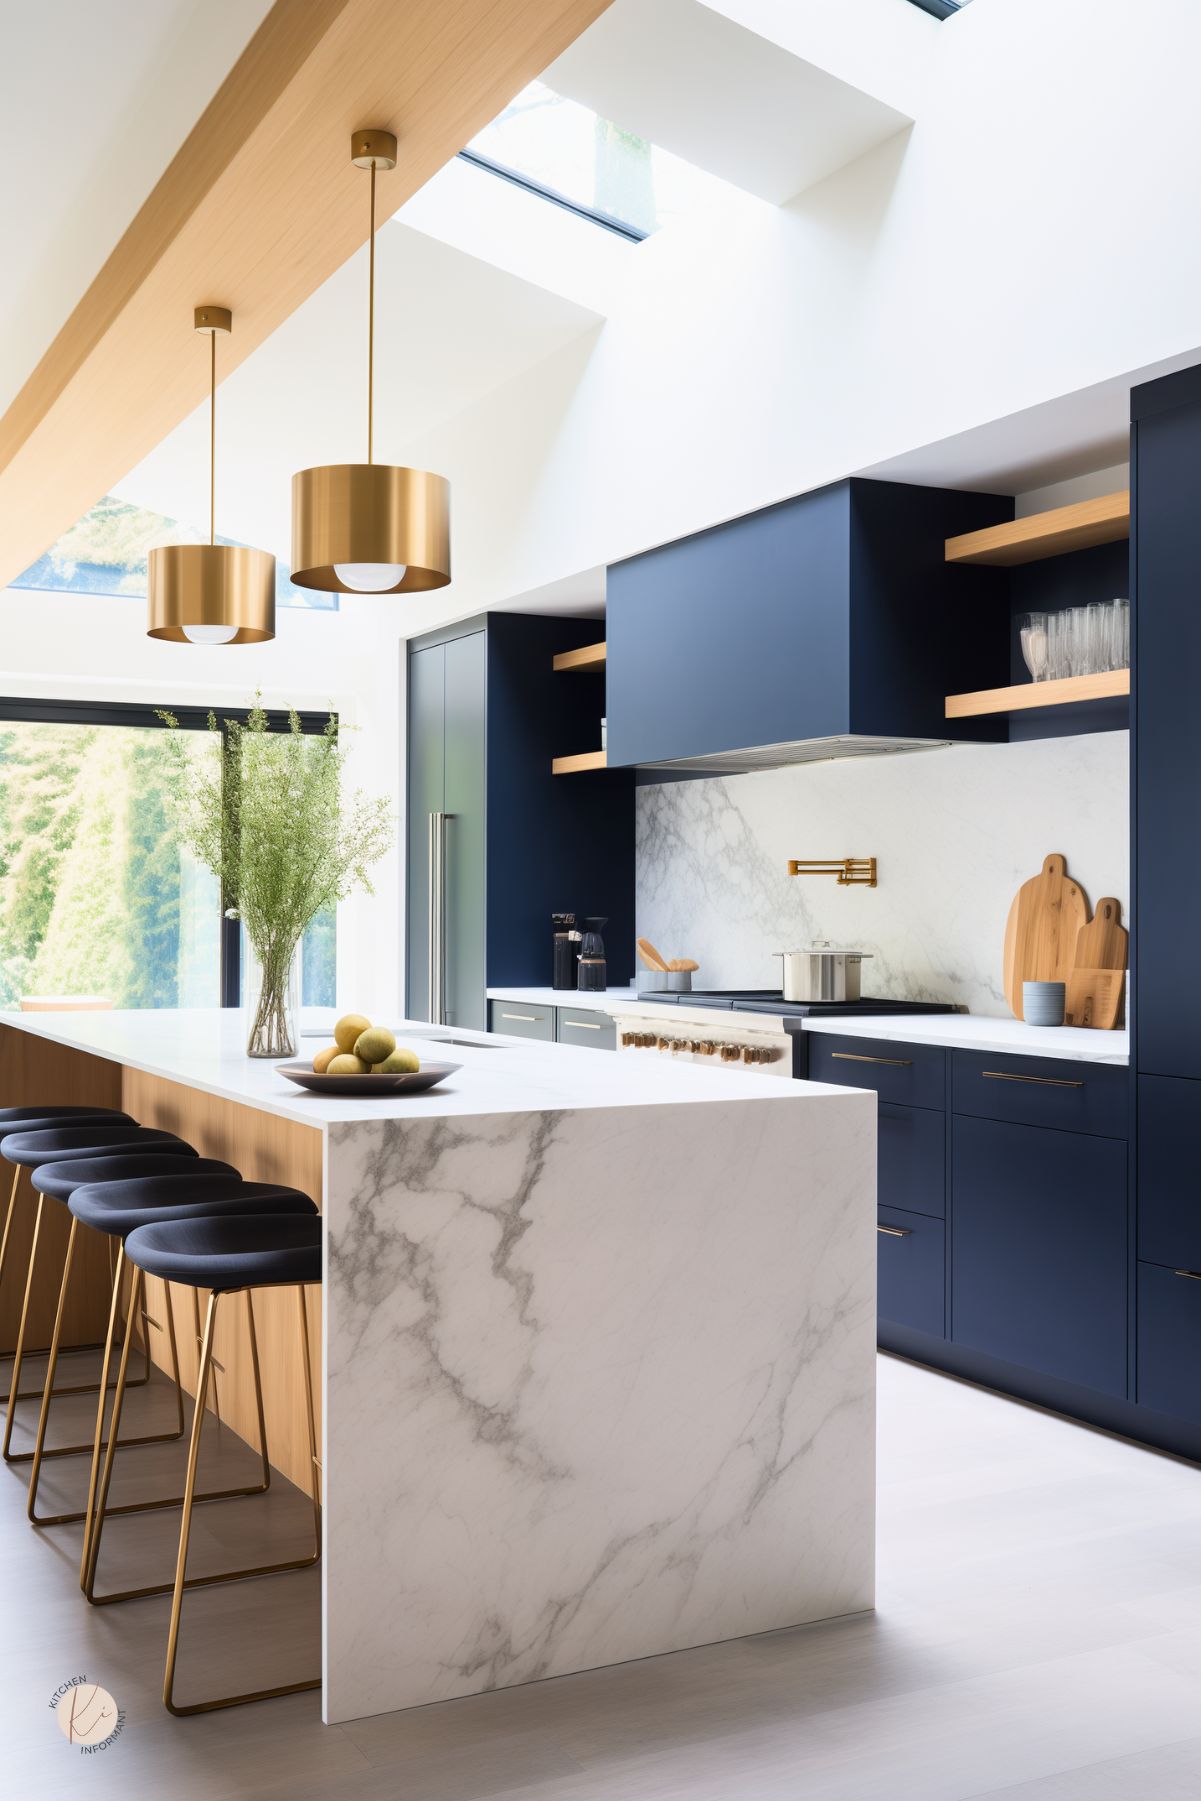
(1039, 1250)
(909, 1265)
(1169, 1191)
(914, 1074)
(576, 1025)
(518, 1020)
(1042, 1091)
(1169, 1342)
(911, 1158)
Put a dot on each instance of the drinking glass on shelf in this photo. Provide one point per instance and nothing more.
(1033, 628)
(1078, 646)
(1100, 637)
(1120, 633)
(1058, 660)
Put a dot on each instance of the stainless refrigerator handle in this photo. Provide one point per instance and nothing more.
(437, 918)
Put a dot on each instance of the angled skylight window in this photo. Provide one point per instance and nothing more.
(941, 9)
(570, 155)
(105, 553)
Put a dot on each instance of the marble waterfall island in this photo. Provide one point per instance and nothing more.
(599, 1346)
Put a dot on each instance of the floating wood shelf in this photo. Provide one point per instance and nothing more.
(589, 759)
(589, 658)
(1102, 521)
(1111, 683)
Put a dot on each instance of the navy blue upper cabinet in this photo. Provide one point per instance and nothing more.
(1166, 512)
(833, 614)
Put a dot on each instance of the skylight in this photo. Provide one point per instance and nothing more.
(942, 9)
(105, 552)
(570, 155)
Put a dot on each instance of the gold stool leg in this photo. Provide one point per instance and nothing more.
(101, 1509)
(182, 1582)
(97, 1442)
(18, 1354)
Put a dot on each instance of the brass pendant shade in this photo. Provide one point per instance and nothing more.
(211, 593)
(203, 588)
(357, 513)
(360, 528)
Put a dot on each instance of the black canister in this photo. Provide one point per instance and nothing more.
(566, 950)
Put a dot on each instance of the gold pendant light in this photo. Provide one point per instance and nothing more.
(212, 593)
(368, 528)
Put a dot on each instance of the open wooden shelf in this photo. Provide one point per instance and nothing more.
(588, 659)
(588, 759)
(1109, 684)
(1102, 521)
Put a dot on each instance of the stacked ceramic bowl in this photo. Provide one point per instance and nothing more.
(1043, 1003)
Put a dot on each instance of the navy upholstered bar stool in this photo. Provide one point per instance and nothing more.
(229, 1255)
(177, 1173)
(45, 1119)
(119, 1208)
(32, 1150)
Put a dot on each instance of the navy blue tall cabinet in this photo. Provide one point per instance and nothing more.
(487, 714)
(1165, 943)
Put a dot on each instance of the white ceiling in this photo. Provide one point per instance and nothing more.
(450, 328)
(684, 76)
(96, 97)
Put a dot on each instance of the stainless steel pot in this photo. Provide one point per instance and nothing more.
(821, 974)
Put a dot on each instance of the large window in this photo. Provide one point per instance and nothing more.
(96, 896)
(105, 552)
(567, 153)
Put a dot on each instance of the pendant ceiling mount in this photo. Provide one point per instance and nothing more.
(211, 593)
(370, 528)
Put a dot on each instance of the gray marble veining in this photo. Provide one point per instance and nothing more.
(956, 832)
(598, 1385)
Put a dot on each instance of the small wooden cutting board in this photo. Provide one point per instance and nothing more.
(1096, 985)
(1044, 923)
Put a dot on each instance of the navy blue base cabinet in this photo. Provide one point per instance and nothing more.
(1039, 1262)
(910, 1270)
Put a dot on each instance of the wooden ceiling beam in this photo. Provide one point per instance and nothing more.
(259, 207)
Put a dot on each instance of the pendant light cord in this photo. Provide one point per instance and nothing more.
(371, 327)
(212, 437)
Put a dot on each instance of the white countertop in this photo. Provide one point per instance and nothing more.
(205, 1049)
(564, 997)
(974, 1032)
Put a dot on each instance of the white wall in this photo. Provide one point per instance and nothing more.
(82, 647)
(1028, 238)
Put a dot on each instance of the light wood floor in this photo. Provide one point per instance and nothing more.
(1038, 1638)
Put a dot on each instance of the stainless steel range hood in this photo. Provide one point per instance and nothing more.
(798, 750)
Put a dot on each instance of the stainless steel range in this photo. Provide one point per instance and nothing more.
(752, 1029)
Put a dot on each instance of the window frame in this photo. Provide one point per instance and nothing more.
(621, 228)
(41, 711)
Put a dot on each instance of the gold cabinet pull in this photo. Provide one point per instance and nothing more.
(1190, 1275)
(999, 1075)
(530, 1019)
(857, 1057)
(896, 1231)
(582, 1025)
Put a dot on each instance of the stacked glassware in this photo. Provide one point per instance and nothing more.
(1077, 641)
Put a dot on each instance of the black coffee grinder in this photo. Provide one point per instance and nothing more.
(593, 968)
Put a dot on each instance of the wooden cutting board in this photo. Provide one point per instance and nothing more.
(1044, 923)
(1096, 985)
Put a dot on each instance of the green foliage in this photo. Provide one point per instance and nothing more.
(270, 820)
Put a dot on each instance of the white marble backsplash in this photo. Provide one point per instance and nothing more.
(956, 832)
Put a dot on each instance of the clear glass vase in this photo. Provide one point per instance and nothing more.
(271, 992)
